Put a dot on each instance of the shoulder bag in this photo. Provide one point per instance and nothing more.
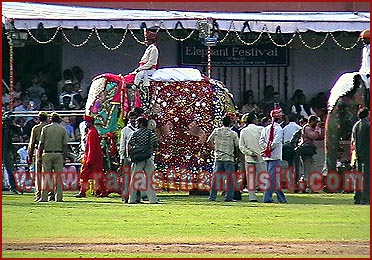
(141, 153)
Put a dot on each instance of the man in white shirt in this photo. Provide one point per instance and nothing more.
(250, 147)
(271, 140)
(365, 64)
(224, 141)
(126, 133)
(288, 150)
(148, 62)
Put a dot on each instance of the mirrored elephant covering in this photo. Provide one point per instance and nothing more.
(185, 112)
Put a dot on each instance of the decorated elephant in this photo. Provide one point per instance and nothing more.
(185, 105)
(347, 95)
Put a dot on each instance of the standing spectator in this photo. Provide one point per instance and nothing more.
(92, 161)
(250, 147)
(32, 147)
(52, 152)
(309, 134)
(271, 140)
(360, 142)
(288, 148)
(126, 133)
(264, 121)
(143, 137)
(9, 129)
(224, 141)
(239, 156)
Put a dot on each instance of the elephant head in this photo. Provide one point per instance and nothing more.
(347, 95)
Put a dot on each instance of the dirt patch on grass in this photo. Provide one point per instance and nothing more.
(313, 249)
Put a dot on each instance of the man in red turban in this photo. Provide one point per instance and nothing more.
(93, 159)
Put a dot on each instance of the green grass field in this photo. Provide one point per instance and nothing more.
(105, 227)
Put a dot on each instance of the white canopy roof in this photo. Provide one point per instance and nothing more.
(29, 16)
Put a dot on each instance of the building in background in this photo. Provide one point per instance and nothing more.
(306, 46)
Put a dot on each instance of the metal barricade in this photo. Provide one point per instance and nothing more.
(34, 114)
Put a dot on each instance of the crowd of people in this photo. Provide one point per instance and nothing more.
(261, 137)
(243, 145)
(254, 140)
(297, 104)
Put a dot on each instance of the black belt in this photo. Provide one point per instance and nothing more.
(45, 151)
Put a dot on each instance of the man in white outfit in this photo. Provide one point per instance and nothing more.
(126, 133)
(289, 154)
(250, 147)
(365, 64)
(148, 62)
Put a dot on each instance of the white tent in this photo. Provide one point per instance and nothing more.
(30, 15)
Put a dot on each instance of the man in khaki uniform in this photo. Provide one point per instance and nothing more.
(32, 146)
(52, 151)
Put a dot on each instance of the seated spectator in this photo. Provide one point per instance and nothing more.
(26, 105)
(17, 90)
(5, 107)
(302, 108)
(294, 99)
(319, 104)
(29, 125)
(67, 75)
(75, 98)
(79, 78)
(45, 104)
(65, 122)
(274, 103)
(5, 95)
(250, 105)
(77, 87)
(36, 90)
(22, 154)
(69, 168)
(268, 96)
